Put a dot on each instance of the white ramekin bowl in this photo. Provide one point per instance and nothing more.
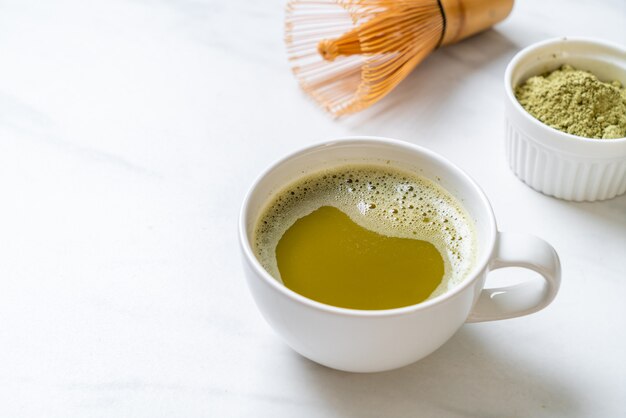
(566, 166)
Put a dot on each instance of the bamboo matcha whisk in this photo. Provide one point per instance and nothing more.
(348, 54)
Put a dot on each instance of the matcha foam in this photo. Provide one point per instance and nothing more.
(384, 200)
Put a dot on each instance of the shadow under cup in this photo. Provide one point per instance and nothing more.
(361, 340)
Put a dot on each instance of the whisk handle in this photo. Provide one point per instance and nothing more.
(465, 18)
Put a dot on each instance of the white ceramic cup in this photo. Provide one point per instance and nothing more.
(370, 341)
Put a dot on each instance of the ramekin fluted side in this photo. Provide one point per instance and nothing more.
(561, 175)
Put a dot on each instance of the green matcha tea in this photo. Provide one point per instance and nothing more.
(365, 237)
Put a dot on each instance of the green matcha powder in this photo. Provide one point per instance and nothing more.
(576, 102)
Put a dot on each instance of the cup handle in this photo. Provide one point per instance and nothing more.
(527, 251)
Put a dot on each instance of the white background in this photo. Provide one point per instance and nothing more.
(129, 133)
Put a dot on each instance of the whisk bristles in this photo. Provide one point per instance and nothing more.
(348, 54)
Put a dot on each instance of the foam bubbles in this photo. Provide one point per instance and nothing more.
(385, 200)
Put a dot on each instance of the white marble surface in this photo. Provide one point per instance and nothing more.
(129, 133)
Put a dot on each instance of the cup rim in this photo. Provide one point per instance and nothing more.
(530, 49)
(471, 277)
